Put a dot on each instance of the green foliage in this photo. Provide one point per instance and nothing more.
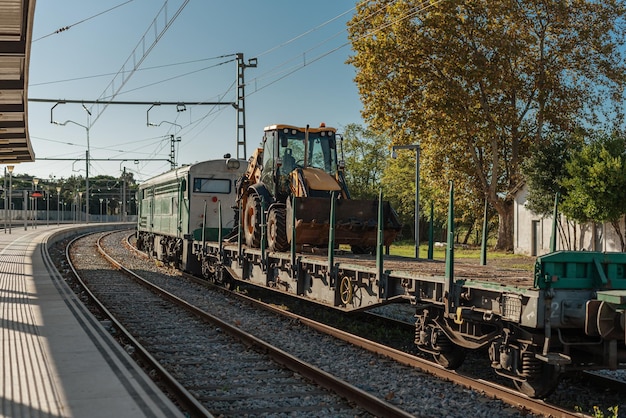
(366, 155)
(612, 412)
(544, 170)
(399, 186)
(596, 180)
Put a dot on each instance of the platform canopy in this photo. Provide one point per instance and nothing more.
(16, 21)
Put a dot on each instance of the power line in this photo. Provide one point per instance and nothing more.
(284, 72)
(130, 102)
(116, 85)
(156, 67)
(65, 28)
(173, 78)
(305, 33)
(412, 12)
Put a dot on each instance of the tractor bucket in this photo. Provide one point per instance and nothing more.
(355, 222)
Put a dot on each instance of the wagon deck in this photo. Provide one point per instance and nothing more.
(403, 267)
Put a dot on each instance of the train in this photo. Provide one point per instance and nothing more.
(566, 315)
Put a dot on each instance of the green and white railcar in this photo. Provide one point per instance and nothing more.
(172, 207)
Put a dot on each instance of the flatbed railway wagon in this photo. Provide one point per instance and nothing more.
(566, 315)
(181, 206)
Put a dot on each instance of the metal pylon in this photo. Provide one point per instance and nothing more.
(241, 107)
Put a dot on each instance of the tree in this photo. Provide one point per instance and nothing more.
(478, 81)
(366, 156)
(544, 171)
(596, 182)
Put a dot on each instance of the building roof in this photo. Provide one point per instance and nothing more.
(16, 21)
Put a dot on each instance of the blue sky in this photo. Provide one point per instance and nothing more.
(192, 62)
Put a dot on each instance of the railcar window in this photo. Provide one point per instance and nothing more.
(201, 185)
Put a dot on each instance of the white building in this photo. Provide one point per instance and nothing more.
(532, 233)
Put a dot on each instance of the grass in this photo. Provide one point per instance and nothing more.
(407, 249)
(468, 255)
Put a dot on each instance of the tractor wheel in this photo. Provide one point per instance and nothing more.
(277, 230)
(252, 221)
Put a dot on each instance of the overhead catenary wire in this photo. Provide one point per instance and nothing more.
(155, 67)
(65, 28)
(283, 73)
(289, 71)
(136, 63)
(169, 79)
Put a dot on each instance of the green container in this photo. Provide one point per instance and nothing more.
(581, 270)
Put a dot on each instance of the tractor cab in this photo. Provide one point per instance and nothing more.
(292, 155)
(296, 175)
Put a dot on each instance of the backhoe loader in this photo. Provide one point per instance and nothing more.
(302, 163)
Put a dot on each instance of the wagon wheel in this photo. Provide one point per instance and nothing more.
(450, 356)
(208, 270)
(346, 290)
(541, 378)
(451, 359)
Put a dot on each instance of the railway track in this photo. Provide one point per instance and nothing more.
(227, 371)
(396, 394)
(488, 388)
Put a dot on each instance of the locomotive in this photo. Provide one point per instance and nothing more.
(181, 206)
(568, 314)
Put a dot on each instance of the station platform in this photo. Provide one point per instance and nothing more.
(57, 359)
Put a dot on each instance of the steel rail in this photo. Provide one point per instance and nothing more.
(503, 393)
(186, 399)
(363, 399)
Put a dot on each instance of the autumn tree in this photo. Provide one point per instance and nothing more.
(476, 82)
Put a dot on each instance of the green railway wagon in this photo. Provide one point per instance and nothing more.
(173, 206)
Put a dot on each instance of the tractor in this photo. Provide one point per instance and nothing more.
(297, 169)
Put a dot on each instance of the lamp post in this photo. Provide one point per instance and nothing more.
(34, 204)
(47, 197)
(10, 170)
(86, 152)
(101, 200)
(79, 213)
(58, 204)
(124, 195)
(415, 147)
